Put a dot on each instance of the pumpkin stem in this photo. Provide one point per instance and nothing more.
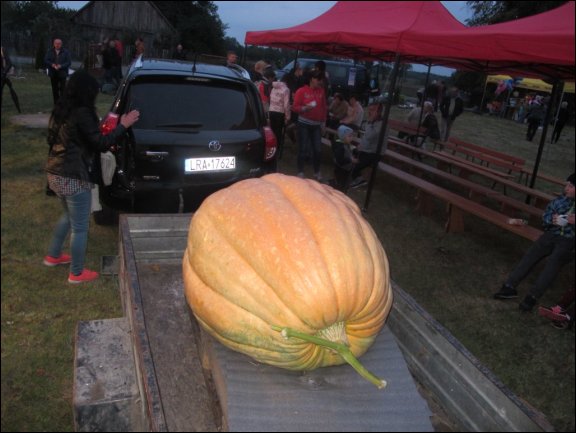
(342, 349)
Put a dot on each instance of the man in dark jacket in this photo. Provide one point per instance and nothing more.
(451, 107)
(57, 60)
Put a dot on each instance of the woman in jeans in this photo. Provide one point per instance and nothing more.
(310, 104)
(73, 168)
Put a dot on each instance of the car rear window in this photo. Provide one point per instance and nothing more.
(191, 105)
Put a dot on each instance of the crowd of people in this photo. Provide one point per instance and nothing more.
(307, 103)
(300, 103)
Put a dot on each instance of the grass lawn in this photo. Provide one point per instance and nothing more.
(452, 275)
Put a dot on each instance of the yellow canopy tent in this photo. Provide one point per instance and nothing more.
(530, 83)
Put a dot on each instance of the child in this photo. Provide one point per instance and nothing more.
(343, 159)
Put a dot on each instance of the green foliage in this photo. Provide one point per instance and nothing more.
(199, 27)
(492, 12)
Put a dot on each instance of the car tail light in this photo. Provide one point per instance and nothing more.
(271, 144)
(109, 124)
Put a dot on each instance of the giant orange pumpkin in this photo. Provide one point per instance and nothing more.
(280, 253)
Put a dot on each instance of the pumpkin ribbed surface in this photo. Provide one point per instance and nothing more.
(285, 251)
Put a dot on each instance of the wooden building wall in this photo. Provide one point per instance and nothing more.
(125, 20)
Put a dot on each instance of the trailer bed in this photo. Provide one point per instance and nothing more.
(188, 382)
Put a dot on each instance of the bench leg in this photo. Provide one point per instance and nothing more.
(474, 196)
(424, 203)
(508, 210)
(464, 174)
(455, 222)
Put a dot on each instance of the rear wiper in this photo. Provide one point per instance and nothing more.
(180, 125)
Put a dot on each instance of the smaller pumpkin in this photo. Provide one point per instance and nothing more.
(287, 271)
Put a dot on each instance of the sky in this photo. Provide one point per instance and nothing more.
(243, 16)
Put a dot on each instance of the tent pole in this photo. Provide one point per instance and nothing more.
(549, 109)
(244, 55)
(558, 108)
(481, 108)
(423, 100)
(383, 130)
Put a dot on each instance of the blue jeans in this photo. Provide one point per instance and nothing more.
(309, 142)
(76, 216)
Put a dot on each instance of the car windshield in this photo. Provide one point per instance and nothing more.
(186, 105)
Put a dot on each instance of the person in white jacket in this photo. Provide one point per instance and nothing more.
(279, 113)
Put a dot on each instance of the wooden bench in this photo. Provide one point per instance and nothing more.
(457, 205)
(494, 157)
(513, 160)
(508, 205)
(541, 199)
(406, 128)
(483, 157)
(551, 179)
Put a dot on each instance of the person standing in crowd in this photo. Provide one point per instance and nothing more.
(139, 47)
(58, 61)
(368, 147)
(320, 65)
(231, 58)
(294, 80)
(6, 68)
(265, 87)
(429, 124)
(535, 117)
(112, 64)
(73, 167)
(279, 113)
(451, 107)
(256, 73)
(179, 53)
(561, 120)
(310, 104)
(556, 243)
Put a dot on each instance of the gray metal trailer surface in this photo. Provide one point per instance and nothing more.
(155, 370)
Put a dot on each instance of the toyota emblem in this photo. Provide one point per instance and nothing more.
(214, 146)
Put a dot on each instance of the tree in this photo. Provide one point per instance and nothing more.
(29, 25)
(492, 12)
(199, 27)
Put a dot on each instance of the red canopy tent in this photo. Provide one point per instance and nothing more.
(425, 32)
(363, 30)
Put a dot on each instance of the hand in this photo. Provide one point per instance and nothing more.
(130, 118)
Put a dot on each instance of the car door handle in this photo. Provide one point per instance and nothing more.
(156, 156)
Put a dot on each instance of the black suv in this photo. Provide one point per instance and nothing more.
(202, 127)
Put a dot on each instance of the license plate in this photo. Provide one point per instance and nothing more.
(198, 165)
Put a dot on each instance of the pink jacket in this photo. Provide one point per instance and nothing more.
(280, 99)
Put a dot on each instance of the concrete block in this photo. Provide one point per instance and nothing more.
(106, 395)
